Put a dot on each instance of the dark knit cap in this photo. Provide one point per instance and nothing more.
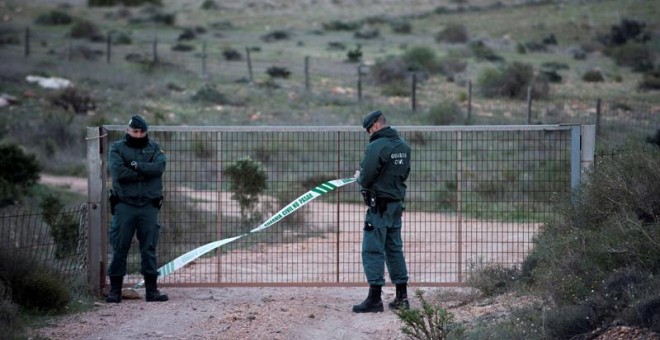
(371, 118)
(137, 122)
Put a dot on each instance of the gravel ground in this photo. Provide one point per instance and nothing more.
(232, 313)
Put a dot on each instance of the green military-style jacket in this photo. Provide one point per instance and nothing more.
(142, 185)
(386, 165)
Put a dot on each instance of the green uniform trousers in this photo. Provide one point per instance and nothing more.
(130, 220)
(382, 245)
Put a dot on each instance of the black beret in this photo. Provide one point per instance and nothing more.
(137, 122)
(371, 118)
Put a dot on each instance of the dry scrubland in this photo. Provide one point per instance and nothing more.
(165, 95)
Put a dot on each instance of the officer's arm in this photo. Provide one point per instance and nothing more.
(118, 168)
(155, 167)
(371, 165)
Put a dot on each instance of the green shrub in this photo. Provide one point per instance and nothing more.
(512, 81)
(609, 224)
(338, 25)
(54, 17)
(593, 76)
(637, 56)
(445, 113)
(432, 322)
(11, 324)
(453, 33)
(421, 59)
(84, 29)
(278, 72)
(19, 172)
(568, 322)
(354, 56)
(32, 283)
(650, 81)
(132, 3)
(247, 181)
(493, 279)
(43, 291)
(481, 51)
(401, 27)
(63, 227)
(209, 5)
(209, 93)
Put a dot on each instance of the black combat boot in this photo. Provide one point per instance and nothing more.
(372, 304)
(116, 283)
(151, 287)
(401, 299)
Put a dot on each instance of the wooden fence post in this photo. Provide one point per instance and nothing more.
(307, 86)
(155, 50)
(469, 98)
(359, 82)
(27, 42)
(414, 92)
(108, 49)
(598, 113)
(529, 105)
(249, 63)
(204, 74)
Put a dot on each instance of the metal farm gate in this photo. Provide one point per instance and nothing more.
(476, 195)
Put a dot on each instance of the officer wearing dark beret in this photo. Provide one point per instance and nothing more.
(382, 175)
(136, 165)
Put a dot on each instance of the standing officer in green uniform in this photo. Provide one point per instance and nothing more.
(136, 166)
(382, 176)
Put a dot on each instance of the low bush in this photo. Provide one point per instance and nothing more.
(593, 76)
(453, 33)
(639, 57)
(431, 322)
(493, 279)
(607, 226)
(278, 72)
(512, 81)
(84, 29)
(650, 80)
(54, 17)
(34, 285)
(445, 113)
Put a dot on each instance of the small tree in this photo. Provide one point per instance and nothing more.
(19, 171)
(63, 226)
(247, 181)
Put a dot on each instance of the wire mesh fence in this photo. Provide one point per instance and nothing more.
(475, 195)
(56, 238)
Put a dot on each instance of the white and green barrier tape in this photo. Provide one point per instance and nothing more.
(305, 198)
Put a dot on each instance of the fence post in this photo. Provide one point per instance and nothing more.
(95, 206)
(249, 63)
(414, 92)
(155, 50)
(598, 103)
(204, 74)
(359, 82)
(70, 56)
(469, 98)
(108, 49)
(27, 42)
(587, 148)
(529, 105)
(307, 86)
